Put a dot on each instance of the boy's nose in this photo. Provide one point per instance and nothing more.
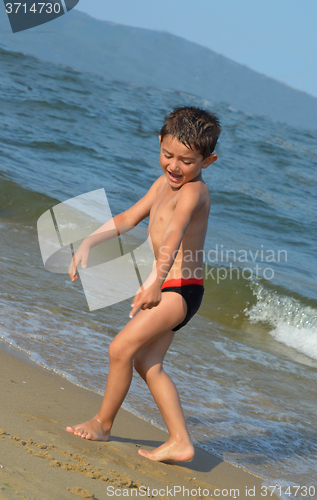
(174, 165)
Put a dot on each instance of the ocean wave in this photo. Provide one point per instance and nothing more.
(20, 203)
(293, 323)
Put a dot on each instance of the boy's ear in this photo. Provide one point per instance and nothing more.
(160, 137)
(209, 160)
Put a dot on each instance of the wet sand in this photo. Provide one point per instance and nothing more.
(41, 461)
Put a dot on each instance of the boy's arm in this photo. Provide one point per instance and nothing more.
(119, 224)
(189, 202)
(123, 222)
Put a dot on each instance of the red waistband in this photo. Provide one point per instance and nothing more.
(183, 282)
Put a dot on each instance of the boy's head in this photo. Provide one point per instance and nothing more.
(196, 128)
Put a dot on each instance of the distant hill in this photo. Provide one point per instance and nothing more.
(151, 58)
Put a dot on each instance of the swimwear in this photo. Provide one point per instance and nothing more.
(191, 290)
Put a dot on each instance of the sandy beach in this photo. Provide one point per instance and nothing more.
(40, 460)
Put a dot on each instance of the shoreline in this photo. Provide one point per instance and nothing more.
(40, 460)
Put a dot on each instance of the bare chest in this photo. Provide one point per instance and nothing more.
(160, 215)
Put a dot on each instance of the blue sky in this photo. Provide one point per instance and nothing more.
(275, 37)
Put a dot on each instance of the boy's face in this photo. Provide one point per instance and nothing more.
(181, 164)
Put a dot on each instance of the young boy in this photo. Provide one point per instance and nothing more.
(178, 205)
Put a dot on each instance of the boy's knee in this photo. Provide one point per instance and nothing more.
(117, 352)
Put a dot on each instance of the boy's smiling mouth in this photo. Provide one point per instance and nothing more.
(174, 177)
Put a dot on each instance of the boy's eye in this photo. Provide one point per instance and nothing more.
(166, 156)
(187, 162)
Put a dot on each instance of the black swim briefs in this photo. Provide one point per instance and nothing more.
(191, 290)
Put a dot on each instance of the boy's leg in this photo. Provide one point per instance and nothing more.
(148, 363)
(147, 326)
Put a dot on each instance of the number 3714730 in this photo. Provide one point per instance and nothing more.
(290, 491)
(36, 7)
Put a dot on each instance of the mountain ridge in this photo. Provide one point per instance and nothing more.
(158, 59)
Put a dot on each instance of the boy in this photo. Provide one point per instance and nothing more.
(178, 205)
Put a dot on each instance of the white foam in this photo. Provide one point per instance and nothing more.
(294, 324)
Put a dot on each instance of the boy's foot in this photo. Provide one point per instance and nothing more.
(92, 430)
(170, 452)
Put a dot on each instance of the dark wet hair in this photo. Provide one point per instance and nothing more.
(195, 127)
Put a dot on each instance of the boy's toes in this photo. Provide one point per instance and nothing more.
(70, 429)
(77, 431)
(144, 453)
(80, 432)
(91, 430)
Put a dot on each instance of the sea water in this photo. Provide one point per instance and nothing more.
(246, 365)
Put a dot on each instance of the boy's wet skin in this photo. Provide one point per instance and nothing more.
(178, 205)
(177, 158)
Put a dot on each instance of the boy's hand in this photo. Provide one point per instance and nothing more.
(146, 299)
(81, 256)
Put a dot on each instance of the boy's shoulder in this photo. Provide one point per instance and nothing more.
(191, 196)
(196, 188)
(195, 194)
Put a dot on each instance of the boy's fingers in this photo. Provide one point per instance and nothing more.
(132, 313)
(136, 304)
(72, 271)
(73, 276)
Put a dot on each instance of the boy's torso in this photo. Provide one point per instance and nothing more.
(189, 259)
